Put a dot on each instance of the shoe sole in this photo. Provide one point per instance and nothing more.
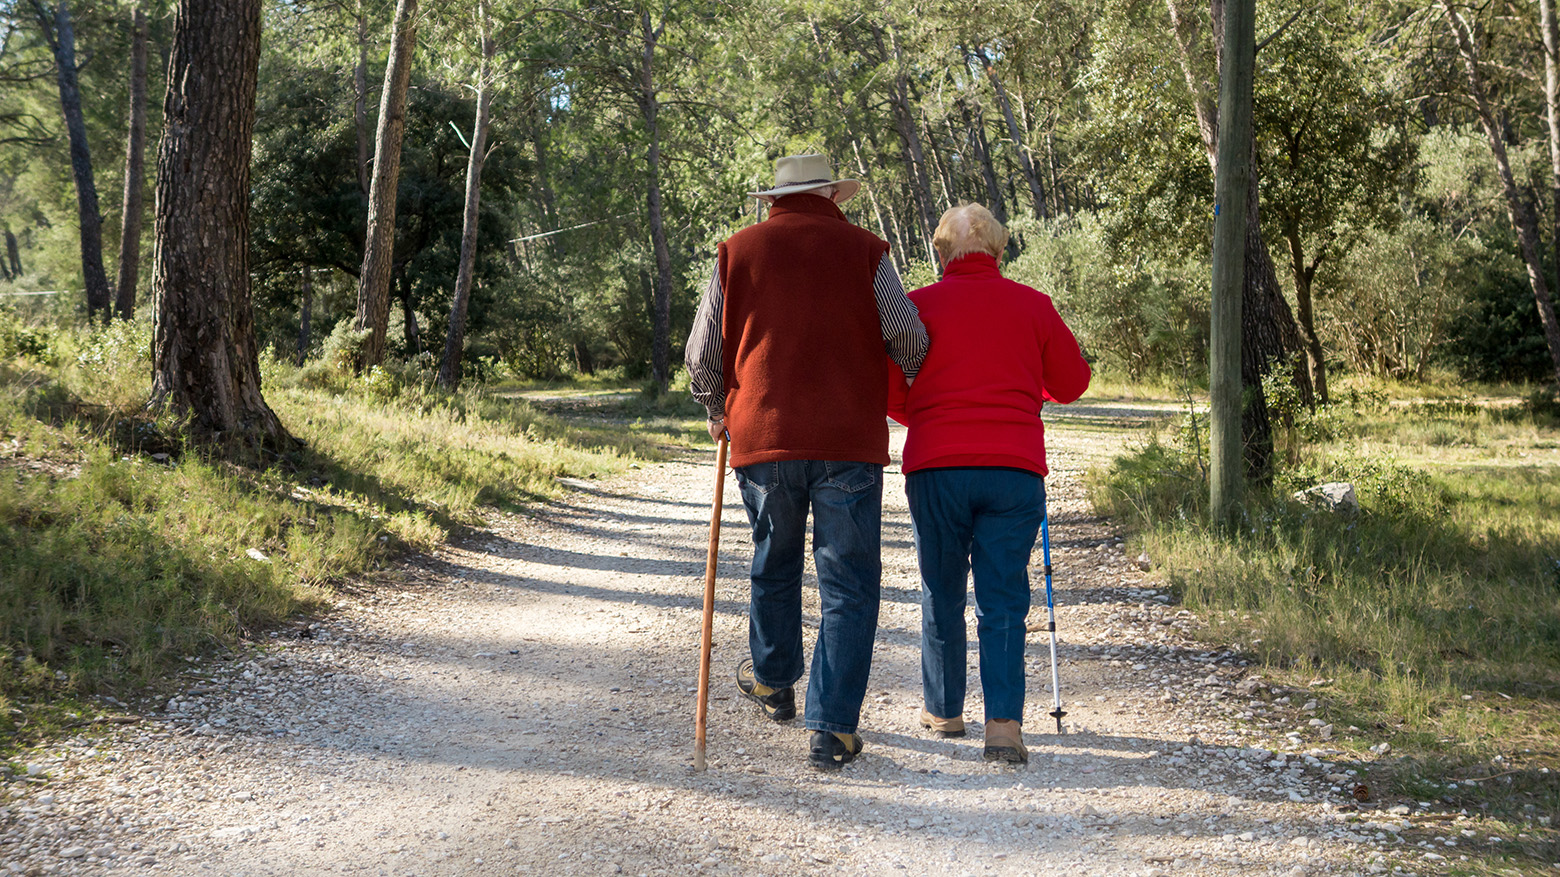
(945, 735)
(824, 763)
(1008, 754)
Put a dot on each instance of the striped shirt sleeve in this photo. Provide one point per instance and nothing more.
(904, 337)
(703, 356)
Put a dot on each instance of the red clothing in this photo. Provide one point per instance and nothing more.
(998, 349)
(803, 360)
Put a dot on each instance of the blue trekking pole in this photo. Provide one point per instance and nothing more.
(1050, 608)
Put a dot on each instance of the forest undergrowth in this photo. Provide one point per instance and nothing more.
(1430, 616)
(124, 549)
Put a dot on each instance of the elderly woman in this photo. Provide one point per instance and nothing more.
(975, 464)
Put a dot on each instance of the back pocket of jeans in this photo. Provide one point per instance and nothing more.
(759, 477)
(852, 477)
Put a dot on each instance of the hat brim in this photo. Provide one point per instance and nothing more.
(847, 190)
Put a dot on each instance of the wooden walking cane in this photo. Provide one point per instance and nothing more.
(709, 604)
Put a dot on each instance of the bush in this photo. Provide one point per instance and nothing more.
(1497, 336)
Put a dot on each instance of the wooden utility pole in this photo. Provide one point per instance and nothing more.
(1231, 180)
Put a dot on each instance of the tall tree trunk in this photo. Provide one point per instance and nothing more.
(305, 315)
(60, 34)
(650, 106)
(360, 100)
(1025, 160)
(904, 119)
(1517, 209)
(544, 181)
(1059, 198)
(13, 254)
(977, 134)
(135, 145)
(373, 301)
(877, 209)
(1304, 273)
(205, 359)
(410, 334)
(1551, 33)
(455, 339)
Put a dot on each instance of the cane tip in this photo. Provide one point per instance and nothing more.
(698, 759)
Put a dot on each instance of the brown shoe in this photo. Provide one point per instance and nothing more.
(1005, 742)
(953, 727)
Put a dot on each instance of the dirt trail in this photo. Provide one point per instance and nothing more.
(522, 703)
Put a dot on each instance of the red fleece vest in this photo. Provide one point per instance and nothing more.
(806, 378)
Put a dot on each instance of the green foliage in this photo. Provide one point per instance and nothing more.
(1496, 334)
(21, 341)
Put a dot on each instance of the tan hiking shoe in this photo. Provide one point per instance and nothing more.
(953, 727)
(1005, 742)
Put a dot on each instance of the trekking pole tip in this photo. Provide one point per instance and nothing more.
(1057, 714)
(698, 759)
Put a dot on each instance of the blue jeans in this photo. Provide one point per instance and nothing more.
(847, 505)
(984, 520)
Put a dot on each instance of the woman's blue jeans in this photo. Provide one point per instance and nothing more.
(985, 521)
(846, 500)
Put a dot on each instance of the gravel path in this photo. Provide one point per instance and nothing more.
(522, 703)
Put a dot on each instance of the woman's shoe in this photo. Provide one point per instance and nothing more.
(1005, 742)
(953, 727)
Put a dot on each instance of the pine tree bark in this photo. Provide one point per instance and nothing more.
(1025, 160)
(59, 33)
(373, 301)
(135, 171)
(455, 338)
(650, 108)
(205, 358)
(1523, 222)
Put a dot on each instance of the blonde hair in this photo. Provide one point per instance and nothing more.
(969, 228)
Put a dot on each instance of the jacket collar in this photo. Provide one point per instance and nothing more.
(806, 202)
(972, 264)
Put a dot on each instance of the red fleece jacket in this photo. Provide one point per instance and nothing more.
(998, 350)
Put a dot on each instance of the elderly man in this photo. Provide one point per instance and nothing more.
(787, 355)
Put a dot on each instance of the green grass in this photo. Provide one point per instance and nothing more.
(1435, 611)
(123, 547)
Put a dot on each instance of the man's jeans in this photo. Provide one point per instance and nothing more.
(847, 506)
(986, 519)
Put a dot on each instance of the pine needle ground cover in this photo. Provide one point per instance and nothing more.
(1427, 624)
(123, 549)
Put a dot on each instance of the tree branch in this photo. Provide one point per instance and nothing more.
(1285, 26)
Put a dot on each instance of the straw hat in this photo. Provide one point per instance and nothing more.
(803, 173)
